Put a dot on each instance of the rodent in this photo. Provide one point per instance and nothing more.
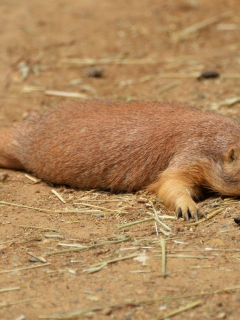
(172, 149)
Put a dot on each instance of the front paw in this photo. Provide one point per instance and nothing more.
(188, 210)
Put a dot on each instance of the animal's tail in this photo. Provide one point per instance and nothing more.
(8, 150)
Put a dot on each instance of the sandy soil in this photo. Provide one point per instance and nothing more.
(146, 52)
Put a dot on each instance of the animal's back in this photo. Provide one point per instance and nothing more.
(98, 144)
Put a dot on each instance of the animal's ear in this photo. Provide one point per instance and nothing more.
(231, 155)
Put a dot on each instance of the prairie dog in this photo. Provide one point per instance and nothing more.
(172, 149)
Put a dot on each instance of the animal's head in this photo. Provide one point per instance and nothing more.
(231, 170)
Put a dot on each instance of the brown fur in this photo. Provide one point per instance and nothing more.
(172, 149)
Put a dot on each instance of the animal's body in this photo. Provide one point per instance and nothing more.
(174, 150)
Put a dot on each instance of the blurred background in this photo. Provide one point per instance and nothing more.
(119, 50)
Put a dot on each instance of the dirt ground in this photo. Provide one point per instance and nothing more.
(150, 55)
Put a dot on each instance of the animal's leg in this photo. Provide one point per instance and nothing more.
(8, 153)
(177, 192)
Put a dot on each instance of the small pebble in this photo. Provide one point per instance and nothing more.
(3, 176)
(33, 259)
(208, 75)
(95, 72)
(107, 311)
(237, 220)
(221, 315)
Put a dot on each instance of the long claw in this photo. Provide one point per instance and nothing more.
(179, 213)
(196, 217)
